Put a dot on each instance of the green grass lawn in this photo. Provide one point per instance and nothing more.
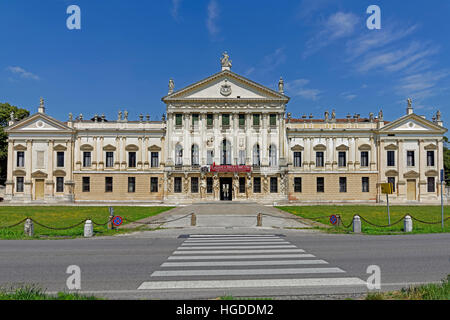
(60, 217)
(34, 292)
(377, 215)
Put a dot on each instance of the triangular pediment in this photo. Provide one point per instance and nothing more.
(39, 122)
(413, 123)
(225, 85)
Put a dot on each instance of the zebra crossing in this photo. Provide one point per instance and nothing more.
(244, 261)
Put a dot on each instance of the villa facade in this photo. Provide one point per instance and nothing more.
(224, 138)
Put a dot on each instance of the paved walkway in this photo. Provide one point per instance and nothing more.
(233, 214)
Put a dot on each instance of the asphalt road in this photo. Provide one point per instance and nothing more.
(116, 267)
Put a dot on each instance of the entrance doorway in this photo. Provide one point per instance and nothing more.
(226, 191)
(411, 189)
(39, 189)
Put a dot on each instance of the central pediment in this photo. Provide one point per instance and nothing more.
(226, 85)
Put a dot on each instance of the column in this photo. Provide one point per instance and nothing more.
(117, 155)
(94, 153)
(101, 164)
(29, 168)
(79, 154)
(123, 153)
(139, 153)
(10, 178)
(49, 184)
(69, 177)
(146, 153)
(235, 130)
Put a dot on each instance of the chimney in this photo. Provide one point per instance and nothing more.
(41, 108)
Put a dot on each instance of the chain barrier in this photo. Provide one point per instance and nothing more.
(14, 225)
(425, 222)
(157, 222)
(65, 228)
(294, 218)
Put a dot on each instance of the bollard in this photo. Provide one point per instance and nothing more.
(29, 228)
(110, 223)
(408, 224)
(356, 224)
(259, 220)
(193, 220)
(88, 229)
(338, 221)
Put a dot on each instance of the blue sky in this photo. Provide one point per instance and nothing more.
(126, 51)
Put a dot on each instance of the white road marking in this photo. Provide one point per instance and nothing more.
(257, 283)
(184, 244)
(239, 251)
(242, 263)
(230, 235)
(240, 272)
(238, 247)
(233, 240)
(247, 256)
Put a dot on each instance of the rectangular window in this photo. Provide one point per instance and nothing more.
(391, 158)
(342, 159)
(131, 184)
(178, 119)
(40, 159)
(430, 158)
(241, 120)
(132, 159)
(177, 185)
(410, 161)
(154, 184)
(256, 119)
(60, 159)
(108, 184)
(320, 184)
(342, 184)
(319, 159)
(241, 184)
(431, 185)
(391, 180)
(256, 185)
(297, 184)
(273, 185)
(241, 157)
(19, 184)
(86, 184)
(364, 158)
(209, 185)
(109, 159)
(225, 119)
(194, 185)
(155, 159)
(20, 159)
(297, 159)
(365, 184)
(209, 157)
(86, 159)
(272, 119)
(59, 184)
(209, 120)
(195, 117)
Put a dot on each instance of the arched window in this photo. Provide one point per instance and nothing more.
(194, 155)
(256, 155)
(226, 152)
(178, 155)
(272, 155)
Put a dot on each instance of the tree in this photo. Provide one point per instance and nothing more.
(446, 158)
(5, 116)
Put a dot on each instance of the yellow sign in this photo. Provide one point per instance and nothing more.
(386, 188)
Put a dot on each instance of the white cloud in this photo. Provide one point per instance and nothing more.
(213, 15)
(421, 85)
(339, 25)
(175, 9)
(22, 73)
(348, 96)
(297, 88)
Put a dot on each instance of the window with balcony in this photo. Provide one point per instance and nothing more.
(178, 155)
(342, 159)
(109, 159)
(87, 159)
(319, 159)
(154, 159)
(297, 159)
(226, 152)
(20, 159)
(132, 159)
(60, 159)
(194, 155)
(430, 158)
(364, 158)
(272, 156)
(256, 156)
(391, 158)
